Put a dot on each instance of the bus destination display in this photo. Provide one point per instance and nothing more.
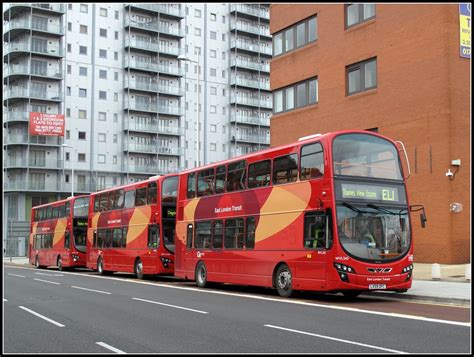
(387, 194)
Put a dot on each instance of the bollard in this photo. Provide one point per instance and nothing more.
(467, 272)
(435, 271)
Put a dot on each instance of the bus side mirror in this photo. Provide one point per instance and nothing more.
(422, 214)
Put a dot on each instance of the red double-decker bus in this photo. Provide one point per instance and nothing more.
(328, 213)
(131, 228)
(58, 233)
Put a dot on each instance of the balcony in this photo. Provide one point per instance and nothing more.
(154, 27)
(143, 86)
(16, 115)
(142, 107)
(151, 168)
(22, 139)
(162, 8)
(153, 128)
(249, 83)
(255, 47)
(26, 25)
(171, 90)
(46, 7)
(250, 138)
(26, 70)
(152, 149)
(249, 119)
(23, 163)
(170, 110)
(250, 11)
(152, 46)
(24, 93)
(141, 65)
(171, 70)
(250, 28)
(252, 102)
(262, 67)
(51, 50)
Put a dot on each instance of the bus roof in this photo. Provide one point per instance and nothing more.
(303, 140)
(59, 202)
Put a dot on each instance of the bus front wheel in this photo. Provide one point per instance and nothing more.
(139, 269)
(37, 263)
(283, 281)
(60, 263)
(201, 275)
(100, 266)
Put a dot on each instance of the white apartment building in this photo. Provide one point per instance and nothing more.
(145, 88)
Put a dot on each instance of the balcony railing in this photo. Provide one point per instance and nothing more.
(252, 46)
(153, 128)
(133, 84)
(151, 168)
(154, 26)
(257, 139)
(33, 140)
(171, 70)
(170, 109)
(248, 9)
(163, 8)
(153, 67)
(33, 93)
(44, 6)
(250, 28)
(249, 119)
(50, 49)
(254, 102)
(152, 149)
(264, 67)
(252, 83)
(171, 90)
(24, 69)
(51, 28)
(42, 163)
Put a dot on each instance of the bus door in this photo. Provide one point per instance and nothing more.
(317, 240)
(152, 258)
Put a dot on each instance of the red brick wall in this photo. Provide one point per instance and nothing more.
(422, 98)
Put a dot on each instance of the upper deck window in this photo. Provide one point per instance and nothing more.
(169, 192)
(81, 207)
(312, 161)
(236, 176)
(365, 156)
(285, 169)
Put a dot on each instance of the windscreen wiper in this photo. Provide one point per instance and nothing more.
(355, 209)
(370, 205)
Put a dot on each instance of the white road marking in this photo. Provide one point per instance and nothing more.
(20, 276)
(41, 316)
(46, 281)
(49, 274)
(286, 301)
(5, 300)
(109, 347)
(174, 306)
(97, 291)
(335, 339)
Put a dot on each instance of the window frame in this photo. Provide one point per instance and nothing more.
(360, 66)
(361, 14)
(294, 36)
(273, 169)
(309, 177)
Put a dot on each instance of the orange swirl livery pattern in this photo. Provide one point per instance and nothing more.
(288, 201)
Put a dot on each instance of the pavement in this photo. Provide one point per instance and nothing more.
(452, 287)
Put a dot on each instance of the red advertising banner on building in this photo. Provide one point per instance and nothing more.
(46, 124)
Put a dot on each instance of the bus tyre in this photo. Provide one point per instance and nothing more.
(139, 269)
(100, 267)
(201, 275)
(60, 263)
(351, 293)
(37, 263)
(283, 281)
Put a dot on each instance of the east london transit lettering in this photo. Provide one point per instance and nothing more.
(228, 209)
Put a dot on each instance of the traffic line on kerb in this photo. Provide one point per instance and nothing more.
(173, 306)
(112, 348)
(41, 316)
(20, 276)
(47, 281)
(335, 339)
(96, 291)
(5, 300)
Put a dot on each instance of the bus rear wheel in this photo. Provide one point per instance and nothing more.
(283, 281)
(100, 267)
(60, 263)
(201, 275)
(139, 269)
(37, 263)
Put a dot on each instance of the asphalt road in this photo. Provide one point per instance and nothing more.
(46, 311)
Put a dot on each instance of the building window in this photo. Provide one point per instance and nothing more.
(357, 13)
(361, 76)
(83, 29)
(83, 71)
(103, 32)
(83, 92)
(82, 114)
(101, 159)
(296, 36)
(103, 12)
(213, 35)
(102, 53)
(102, 94)
(81, 135)
(298, 95)
(102, 73)
(102, 137)
(102, 116)
(83, 50)
(84, 8)
(81, 157)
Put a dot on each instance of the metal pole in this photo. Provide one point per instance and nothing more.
(72, 176)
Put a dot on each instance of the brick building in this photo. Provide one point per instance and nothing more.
(391, 68)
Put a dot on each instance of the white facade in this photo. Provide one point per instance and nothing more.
(127, 80)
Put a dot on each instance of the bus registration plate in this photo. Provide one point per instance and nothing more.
(377, 286)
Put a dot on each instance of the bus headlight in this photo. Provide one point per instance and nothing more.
(407, 269)
(343, 270)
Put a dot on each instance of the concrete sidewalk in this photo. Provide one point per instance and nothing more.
(451, 288)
